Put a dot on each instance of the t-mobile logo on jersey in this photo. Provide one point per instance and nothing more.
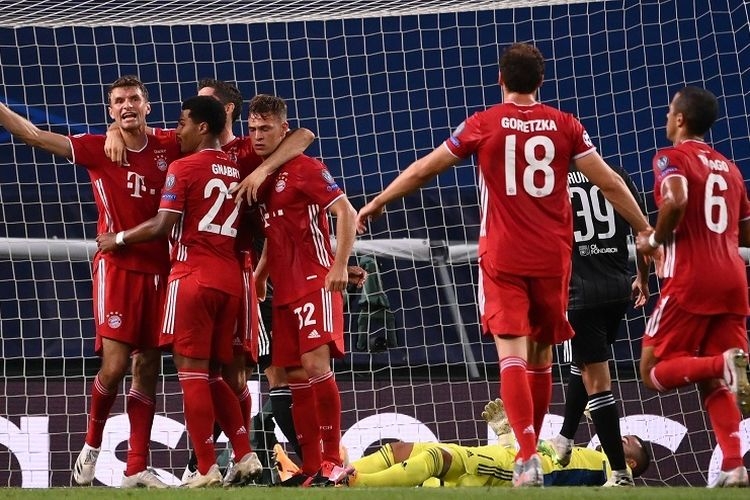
(137, 183)
(586, 250)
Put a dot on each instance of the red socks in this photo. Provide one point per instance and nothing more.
(141, 416)
(678, 372)
(246, 403)
(305, 415)
(229, 416)
(102, 400)
(722, 409)
(540, 384)
(519, 406)
(329, 415)
(199, 415)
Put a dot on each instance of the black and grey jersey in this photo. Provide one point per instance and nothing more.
(601, 271)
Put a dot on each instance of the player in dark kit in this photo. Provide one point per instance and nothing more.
(600, 294)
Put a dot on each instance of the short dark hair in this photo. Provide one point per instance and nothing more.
(205, 108)
(128, 81)
(644, 458)
(265, 105)
(226, 92)
(699, 108)
(522, 68)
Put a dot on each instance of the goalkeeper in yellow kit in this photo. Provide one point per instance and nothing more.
(441, 464)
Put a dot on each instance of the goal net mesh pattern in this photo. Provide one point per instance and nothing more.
(380, 83)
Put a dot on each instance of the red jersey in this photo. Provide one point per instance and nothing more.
(523, 155)
(128, 195)
(240, 150)
(703, 269)
(203, 241)
(296, 226)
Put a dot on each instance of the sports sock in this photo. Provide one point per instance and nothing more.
(141, 416)
(678, 372)
(515, 392)
(246, 404)
(329, 415)
(305, 413)
(199, 416)
(281, 407)
(229, 416)
(721, 406)
(193, 460)
(375, 462)
(540, 384)
(102, 400)
(575, 402)
(607, 423)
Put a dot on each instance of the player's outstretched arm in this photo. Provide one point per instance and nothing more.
(415, 176)
(158, 226)
(21, 128)
(294, 144)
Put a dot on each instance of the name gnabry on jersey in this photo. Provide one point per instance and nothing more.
(528, 125)
(219, 169)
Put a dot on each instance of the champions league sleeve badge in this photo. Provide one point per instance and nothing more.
(662, 162)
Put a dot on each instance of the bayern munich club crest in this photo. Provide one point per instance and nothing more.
(114, 320)
(280, 185)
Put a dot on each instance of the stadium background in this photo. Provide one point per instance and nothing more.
(378, 92)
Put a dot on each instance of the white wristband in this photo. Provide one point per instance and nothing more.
(120, 239)
(652, 241)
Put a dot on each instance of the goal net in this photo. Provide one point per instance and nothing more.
(380, 83)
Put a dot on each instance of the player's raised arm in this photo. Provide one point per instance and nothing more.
(415, 176)
(21, 128)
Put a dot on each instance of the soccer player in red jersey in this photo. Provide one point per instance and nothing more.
(524, 149)
(251, 344)
(126, 324)
(697, 332)
(205, 284)
(308, 283)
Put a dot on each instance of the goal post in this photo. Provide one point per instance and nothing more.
(381, 83)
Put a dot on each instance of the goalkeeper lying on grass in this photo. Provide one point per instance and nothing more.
(440, 464)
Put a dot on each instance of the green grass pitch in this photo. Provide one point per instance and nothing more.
(251, 493)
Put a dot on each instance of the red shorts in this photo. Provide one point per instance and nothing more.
(245, 339)
(674, 332)
(127, 305)
(524, 306)
(308, 323)
(199, 322)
